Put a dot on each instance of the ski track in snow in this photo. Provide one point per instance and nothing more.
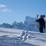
(12, 37)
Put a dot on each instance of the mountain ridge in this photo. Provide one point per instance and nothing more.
(29, 24)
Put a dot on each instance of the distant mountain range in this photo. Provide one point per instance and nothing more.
(29, 24)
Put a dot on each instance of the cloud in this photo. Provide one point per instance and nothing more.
(6, 10)
(3, 8)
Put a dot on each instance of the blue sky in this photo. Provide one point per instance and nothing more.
(17, 10)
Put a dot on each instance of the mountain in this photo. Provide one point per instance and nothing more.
(18, 25)
(6, 25)
(29, 24)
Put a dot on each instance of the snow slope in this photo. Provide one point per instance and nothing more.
(14, 37)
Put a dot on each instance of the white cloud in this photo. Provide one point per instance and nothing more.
(3, 8)
(6, 10)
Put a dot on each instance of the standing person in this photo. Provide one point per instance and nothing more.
(41, 23)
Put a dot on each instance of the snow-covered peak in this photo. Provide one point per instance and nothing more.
(29, 20)
(28, 17)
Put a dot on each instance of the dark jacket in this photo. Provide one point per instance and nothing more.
(41, 22)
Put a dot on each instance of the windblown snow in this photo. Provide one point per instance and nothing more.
(14, 37)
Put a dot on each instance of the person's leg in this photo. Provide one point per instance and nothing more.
(41, 29)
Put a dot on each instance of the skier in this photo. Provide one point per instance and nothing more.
(41, 23)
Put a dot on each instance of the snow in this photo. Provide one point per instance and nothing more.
(14, 37)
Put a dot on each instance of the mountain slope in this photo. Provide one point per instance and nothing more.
(14, 37)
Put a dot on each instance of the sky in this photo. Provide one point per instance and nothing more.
(17, 10)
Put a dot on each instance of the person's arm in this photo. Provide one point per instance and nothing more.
(37, 20)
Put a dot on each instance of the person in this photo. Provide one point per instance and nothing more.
(41, 23)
